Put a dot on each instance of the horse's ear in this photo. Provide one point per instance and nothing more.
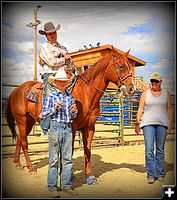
(126, 54)
(113, 50)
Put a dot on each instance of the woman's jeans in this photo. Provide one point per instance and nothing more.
(154, 163)
(45, 122)
(60, 148)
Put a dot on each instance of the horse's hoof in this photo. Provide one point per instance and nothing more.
(19, 168)
(91, 179)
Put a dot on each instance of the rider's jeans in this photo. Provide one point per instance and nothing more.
(45, 122)
(154, 161)
(60, 149)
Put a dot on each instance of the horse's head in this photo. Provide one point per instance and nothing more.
(120, 73)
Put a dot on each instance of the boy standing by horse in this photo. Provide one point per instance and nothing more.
(53, 58)
(61, 106)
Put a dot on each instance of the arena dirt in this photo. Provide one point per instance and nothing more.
(120, 173)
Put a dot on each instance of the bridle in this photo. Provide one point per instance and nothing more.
(75, 67)
(117, 72)
(120, 78)
(117, 69)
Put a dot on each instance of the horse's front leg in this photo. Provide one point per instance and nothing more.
(87, 140)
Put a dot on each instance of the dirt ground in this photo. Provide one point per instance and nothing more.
(120, 172)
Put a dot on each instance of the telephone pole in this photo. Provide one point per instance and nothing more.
(34, 26)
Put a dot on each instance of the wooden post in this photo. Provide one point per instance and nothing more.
(34, 26)
(121, 118)
(35, 45)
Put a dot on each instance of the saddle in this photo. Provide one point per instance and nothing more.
(37, 89)
(35, 92)
(34, 97)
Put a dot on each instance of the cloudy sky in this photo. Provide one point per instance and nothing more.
(147, 28)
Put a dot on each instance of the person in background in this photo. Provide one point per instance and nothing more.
(154, 117)
(53, 58)
(61, 106)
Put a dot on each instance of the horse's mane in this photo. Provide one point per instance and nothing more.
(91, 73)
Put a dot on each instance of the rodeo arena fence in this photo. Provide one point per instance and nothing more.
(114, 126)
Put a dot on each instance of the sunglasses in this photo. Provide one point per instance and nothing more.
(154, 80)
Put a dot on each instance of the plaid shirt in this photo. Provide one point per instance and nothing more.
(53, 56)
(63, 113)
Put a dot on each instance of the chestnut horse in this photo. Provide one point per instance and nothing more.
(88, 90)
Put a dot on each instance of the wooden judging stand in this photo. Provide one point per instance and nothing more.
(83, 59)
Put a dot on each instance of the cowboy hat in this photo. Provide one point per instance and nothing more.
(60, 75)
(49, 28)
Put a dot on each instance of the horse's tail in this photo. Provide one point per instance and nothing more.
(10, 119)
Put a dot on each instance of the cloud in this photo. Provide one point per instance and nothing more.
(146, 28)
(166, 68)
(16, 73)
(8, 62)
(19, 47)
(153, 44)
(164, 64)
(169, 82)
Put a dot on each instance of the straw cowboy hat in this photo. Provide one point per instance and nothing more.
(60, 75)
(156, 76)
(49, 28)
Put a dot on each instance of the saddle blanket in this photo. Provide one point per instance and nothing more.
(35, 91)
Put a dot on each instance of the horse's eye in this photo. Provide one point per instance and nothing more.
(121, 66)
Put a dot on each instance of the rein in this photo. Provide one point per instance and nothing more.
(100, 113)
(121, 79)
(91, 84)
(96, 89)
(117, 72)
(86, 79)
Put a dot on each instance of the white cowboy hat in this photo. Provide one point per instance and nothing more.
(49, 28)
(60, 75)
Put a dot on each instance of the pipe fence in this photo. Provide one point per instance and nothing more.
(116, 117)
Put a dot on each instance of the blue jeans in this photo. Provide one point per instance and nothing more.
(45, 122)
(154, 162)
(60, 148)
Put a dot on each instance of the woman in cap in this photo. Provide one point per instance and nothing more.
(154, 117)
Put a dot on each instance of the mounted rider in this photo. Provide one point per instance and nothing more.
(53, 58)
